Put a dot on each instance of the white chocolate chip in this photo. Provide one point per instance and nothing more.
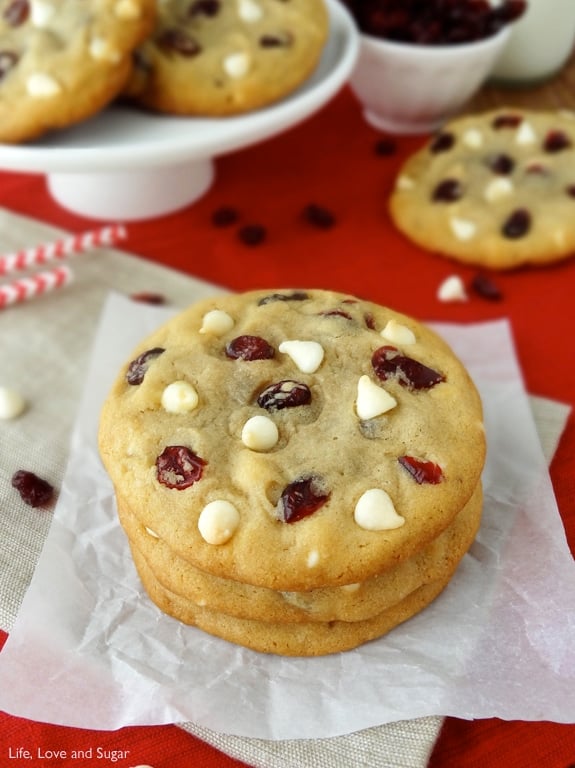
(405, 182)
(372, 400)
(101, 50)
(398, 333)
(218, 522)
(217, 321)
(463, 229)
(498, 189)
(351, 588)
(249, 10)
(127, 10)
(152, 533)
(42, 86)
(12, 404)
(40, 13)
(452, 289)
(260, 433)
(526, 134)
(473, 138)
(313, 558)
(307, 355)
(179, 397)
(237, 65)
(374, 511)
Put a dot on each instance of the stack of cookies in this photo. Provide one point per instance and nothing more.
(297, 472)
(62, 61)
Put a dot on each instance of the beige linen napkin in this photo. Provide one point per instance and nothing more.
(45, 346)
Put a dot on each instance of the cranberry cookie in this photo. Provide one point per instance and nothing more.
(294, 458)
(61, 61)
(224, 57)
(495, 190)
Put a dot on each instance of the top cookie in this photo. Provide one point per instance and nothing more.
(496, 189)
(294, 440)
(61, 61)
(224, 57)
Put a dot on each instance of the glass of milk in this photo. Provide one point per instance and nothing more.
(540, 44)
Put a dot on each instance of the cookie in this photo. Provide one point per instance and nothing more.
(294, 457)
(495, 190)
(352, 602)
(226, 57)
(303, 639)
(62, 61)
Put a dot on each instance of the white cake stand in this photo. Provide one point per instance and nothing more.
(125, 164)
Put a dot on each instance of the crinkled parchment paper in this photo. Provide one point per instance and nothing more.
(90, 650)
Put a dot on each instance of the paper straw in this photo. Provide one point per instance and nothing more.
(60, 249)
(28, 287)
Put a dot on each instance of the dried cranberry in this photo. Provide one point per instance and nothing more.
(295, 296)
(179, 467)
(179, 42)
(385, 147)
(447, 191)
(284, 394)
(249, 348)
(517, 224)
(252, 234)
(570, 190)
(283, 40)
(422, 471)
(434, 22)
(336, 313)
(225, 216)
(147, 297)
(33, 490)
(8, 61)
(484, 286)
(138, 367)
(507, 121)
(388, 362)
(443, 142)
(16, 13)
(301, 499)
(318, 216)
(204, 8)
(369, 321)
(556, 141)
(501, 164)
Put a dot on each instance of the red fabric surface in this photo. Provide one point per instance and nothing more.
(331, 160)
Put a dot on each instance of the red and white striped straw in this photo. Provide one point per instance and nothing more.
(61, 249)
(36, 285)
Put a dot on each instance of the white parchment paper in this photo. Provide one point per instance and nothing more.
(90, 650)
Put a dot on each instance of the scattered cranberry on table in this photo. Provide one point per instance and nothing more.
(252, 234)
(33, 490)
(148, 297)
(319, 216)
(484, 285)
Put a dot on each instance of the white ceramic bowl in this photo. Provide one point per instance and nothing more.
(407, 88)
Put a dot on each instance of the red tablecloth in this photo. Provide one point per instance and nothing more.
(332, 160)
